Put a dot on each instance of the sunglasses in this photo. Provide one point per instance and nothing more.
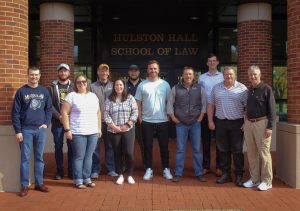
(81, 82)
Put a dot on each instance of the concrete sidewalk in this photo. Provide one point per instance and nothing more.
(157, 194)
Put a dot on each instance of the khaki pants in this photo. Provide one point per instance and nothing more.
(258, 151)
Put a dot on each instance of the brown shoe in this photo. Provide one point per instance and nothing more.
(218, 172)
(23, 192)
(41, 188)
(205, 171)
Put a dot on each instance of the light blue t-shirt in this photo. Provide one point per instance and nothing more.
(154, 97)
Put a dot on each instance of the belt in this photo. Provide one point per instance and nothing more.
(258, 119)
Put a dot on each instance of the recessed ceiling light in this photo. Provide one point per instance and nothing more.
(79, 30)
(116, 18)
(194, 18)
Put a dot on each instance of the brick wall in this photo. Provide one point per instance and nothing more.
(56, 46)
(255, 48)
(293, 13)
(13, 53)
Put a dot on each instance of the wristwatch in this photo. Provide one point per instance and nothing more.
(67, 130)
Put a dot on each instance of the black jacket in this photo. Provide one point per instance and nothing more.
(53, 90)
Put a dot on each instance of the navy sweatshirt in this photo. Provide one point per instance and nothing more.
(32, 107)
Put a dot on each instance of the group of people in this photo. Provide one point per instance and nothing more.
(119, 112)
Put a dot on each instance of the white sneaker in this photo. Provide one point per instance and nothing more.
(264, 186)
(149, 174)
(167, 173)
(130, 180)
(120, 180)
(250, 184)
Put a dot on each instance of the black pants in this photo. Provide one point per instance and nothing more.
(123, 146)
(161, 130)
(230, 141)
(139, 138)
(206, 135)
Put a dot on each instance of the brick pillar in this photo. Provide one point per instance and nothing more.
(13, 53)
(57, 39)
(254, 40)
(293, 14)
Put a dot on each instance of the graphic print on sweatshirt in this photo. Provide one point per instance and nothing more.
(36, 100)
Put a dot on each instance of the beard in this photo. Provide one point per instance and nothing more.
(135, 78)
(63, 78)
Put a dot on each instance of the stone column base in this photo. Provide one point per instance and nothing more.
(288, 153)
(10, 159)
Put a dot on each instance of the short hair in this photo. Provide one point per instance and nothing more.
(33, 68)
(254, 68)
(188, 68)
(229, 68)
(113, 95)
(152, 62)
(210, 55)
(87, 83)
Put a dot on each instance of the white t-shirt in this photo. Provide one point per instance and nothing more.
(83, 115)
(154, 97)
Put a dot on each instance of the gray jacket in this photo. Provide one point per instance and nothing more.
(103, 91)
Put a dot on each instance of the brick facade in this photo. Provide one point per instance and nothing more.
(293, 13)
(57, 42)
(255, 48)
(13, 53)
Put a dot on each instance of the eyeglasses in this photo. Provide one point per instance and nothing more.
(81, 82)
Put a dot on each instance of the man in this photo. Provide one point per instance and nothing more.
(103, 88)
(31, 115)
(151, 96)
(260, 118)
(58, 89)
(207, 81)
(134, 80)
(229, 99)
(186, 107)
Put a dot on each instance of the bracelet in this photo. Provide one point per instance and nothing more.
(67, 130)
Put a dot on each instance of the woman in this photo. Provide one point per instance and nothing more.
(120, 114)
(83, 128)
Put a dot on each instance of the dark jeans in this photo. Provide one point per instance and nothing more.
(123, 146)
(58, 138)
(139, 138)
(109, 153)
(230, 141)
(206, 135)
(162, 134)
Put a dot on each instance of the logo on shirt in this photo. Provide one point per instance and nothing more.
(35, 104)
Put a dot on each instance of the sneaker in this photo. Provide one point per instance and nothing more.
(201, 178)
(149, 174)
(264, 186)
(58, 177)
(167, 173)
(112, 174)
(94, 175)
(120, 180)
(176, 178)
(250, 184)
(130, 180)
(90, 185)
(80, 186)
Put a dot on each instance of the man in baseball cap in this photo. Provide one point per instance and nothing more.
(58, 90)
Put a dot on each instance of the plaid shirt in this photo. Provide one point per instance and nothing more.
(120, 113)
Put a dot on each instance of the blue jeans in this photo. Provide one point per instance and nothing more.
(36, 137)
(58, 138)
(83, 148)
(109, 153)
(184, 132)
